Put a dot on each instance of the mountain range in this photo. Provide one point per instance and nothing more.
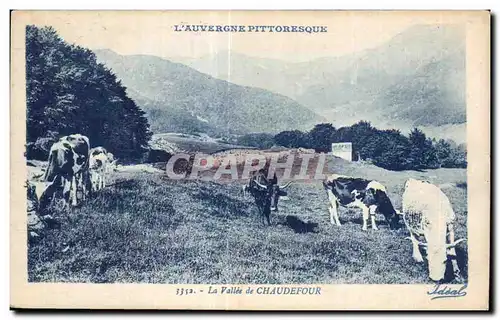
(178, 98)
(415, 79)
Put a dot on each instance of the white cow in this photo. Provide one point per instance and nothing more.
(427, 212)
(98, 168)
(111, 162)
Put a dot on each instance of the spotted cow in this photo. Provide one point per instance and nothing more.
(368, 195)
(68, 169)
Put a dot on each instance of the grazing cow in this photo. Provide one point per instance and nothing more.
(368, 195)
(427, 212)
(98, 168)
(68, 168)
(266, 193)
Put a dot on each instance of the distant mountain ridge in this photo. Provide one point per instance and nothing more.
(415, 79)
(179, 98)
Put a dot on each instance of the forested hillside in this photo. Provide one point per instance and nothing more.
(68, 91)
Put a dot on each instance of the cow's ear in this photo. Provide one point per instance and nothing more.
(283, 193)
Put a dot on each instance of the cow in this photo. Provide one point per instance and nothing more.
(266, 193)
(428, 213)
(98, 167)
(68, 168)
(368, 195)
(37, 222)
(111, 162)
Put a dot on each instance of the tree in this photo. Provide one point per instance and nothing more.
(422, 154)
(391, 150)
(68, 91)
(362, 134)
(257, 140)
(291, 139)
(321, 137)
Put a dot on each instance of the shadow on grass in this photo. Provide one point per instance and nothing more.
(300, 226)
(462, 259)
(462, 185)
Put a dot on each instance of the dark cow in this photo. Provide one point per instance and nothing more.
(266, 193)
(68, 168)
(368, 195)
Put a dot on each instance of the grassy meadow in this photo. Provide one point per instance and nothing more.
(145, 228)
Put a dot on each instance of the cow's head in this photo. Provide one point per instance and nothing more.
(393, 220)
(273, 192)
(437, 256)
(384, 206)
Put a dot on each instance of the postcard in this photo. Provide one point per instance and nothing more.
(250, 160)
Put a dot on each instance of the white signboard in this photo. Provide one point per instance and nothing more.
(342, 150)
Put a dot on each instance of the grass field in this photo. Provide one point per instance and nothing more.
(146, 228)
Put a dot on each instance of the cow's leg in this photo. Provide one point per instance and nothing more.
(366, 216)
(262, 217)
(334, 214)
(66, 193)
(333, 208)
(268, 218)
(373, 210)
(74, 190)
(82, 186)
(337, 219)
(93, 185)
(452, 252)
(417, 256)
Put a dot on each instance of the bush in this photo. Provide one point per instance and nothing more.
(257, 140)
(388, 149)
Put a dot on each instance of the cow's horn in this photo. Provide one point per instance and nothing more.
(286, 185)
(419, 243)
(260, 185)
(451, 245)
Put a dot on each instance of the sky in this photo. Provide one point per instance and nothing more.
(152, 32)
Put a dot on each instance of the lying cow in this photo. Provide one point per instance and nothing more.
(266, 193)
(427, 212)
(98, 168)
(368, 195)
(36, 222)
